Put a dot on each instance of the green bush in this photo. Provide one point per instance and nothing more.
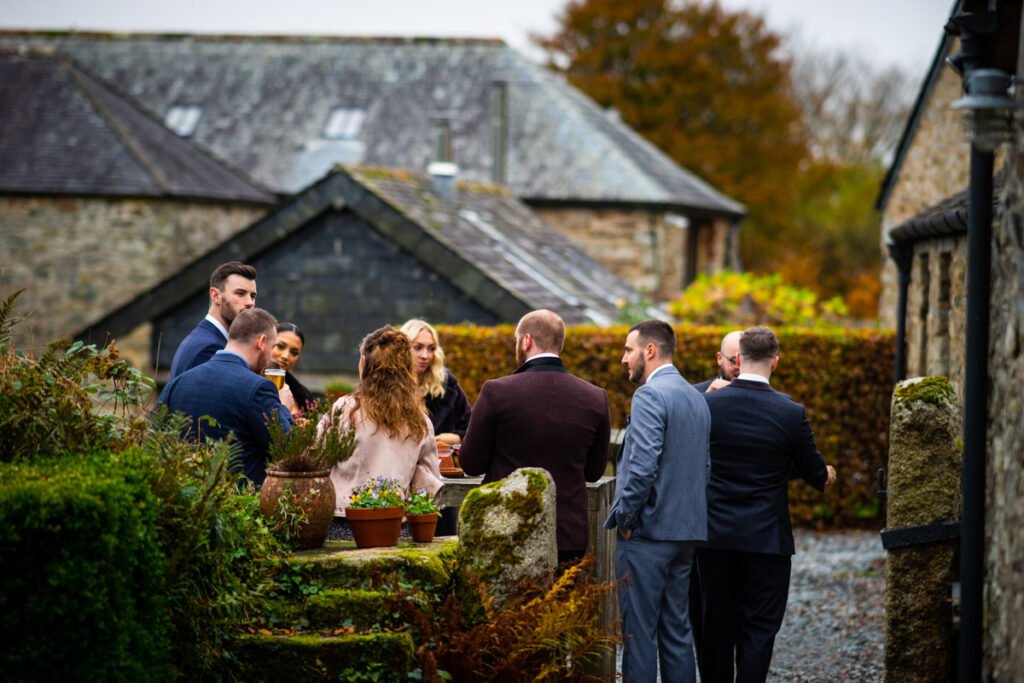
(82, 595)
(843, 377)
(747, 299)
(216, 544)
(101, 507)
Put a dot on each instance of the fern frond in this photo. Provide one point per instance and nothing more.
(7, 318)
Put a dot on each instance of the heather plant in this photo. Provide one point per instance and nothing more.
(309, 446)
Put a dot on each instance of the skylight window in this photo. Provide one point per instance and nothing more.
(344, 124)
(183, 119)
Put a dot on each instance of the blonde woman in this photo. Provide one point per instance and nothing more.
(394, 438)
(446, 402)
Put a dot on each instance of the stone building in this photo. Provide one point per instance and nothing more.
(926, 218)
(98, 200)
(287, 109)
(366, 247)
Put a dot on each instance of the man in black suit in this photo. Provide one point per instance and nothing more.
(542, 416)
(728, 367)
(759, 439)
(232, 289)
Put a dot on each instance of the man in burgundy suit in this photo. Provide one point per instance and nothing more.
(542, 416)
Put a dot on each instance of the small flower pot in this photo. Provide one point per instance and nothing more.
(310, 492)
(423, 526)
(375, 527)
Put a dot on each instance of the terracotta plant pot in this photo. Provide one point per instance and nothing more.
(423, 526)
(311, 492)
(375, 527)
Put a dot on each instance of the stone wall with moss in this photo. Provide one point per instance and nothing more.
(80, 257)
(1005, 486)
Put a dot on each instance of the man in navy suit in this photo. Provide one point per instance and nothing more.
(230, 389)
(232, 289)
(728, 367)
(543, 416)
(759, 440)
(659, 509)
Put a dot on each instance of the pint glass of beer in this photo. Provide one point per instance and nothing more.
(275, 375)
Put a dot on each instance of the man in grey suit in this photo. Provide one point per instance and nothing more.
(660, 508)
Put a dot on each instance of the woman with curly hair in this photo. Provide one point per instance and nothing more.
(446, 402)
(394, 437)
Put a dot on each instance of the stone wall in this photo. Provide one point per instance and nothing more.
(937, 310)
(935, 167)
(1004, 592)
(645, 248)
(80, 257)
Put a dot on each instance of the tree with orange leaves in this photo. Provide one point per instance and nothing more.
(708, 86)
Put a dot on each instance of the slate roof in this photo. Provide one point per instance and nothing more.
(522, 254)
(63, 131)
(948, 218)
(265, 102)
(486, 243)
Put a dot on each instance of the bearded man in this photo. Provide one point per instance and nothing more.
(543, 416)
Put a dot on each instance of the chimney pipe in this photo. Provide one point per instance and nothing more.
(442, 179)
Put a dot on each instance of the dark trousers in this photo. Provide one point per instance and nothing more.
(744, 602)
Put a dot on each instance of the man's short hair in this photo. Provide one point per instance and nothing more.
(250, 323)
(658, 332)
(547, 329)
(759, 344)
(226, 270)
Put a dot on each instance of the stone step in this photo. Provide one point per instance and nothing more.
(371, 656)
(339, 564)
(360, 609)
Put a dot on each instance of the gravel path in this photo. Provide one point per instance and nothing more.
(833, 630)
(834, 625)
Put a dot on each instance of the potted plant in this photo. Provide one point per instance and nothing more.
(375, 512)
(298, 492)
(422, 512)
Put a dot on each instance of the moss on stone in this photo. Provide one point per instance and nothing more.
(364, 610)
(339, 564)
(502, 551)
(494, 554)
(282, 658)
(933, 390)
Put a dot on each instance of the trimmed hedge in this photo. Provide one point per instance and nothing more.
(843, 377)
(83, 575)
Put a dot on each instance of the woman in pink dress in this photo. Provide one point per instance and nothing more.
(394, 436)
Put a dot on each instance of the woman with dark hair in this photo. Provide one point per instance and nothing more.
(286, 353)
(394, 437)
(446, 402)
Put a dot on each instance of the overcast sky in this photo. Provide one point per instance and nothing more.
(903, 32)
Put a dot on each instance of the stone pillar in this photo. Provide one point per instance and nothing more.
(507, 532)
(925, 448)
